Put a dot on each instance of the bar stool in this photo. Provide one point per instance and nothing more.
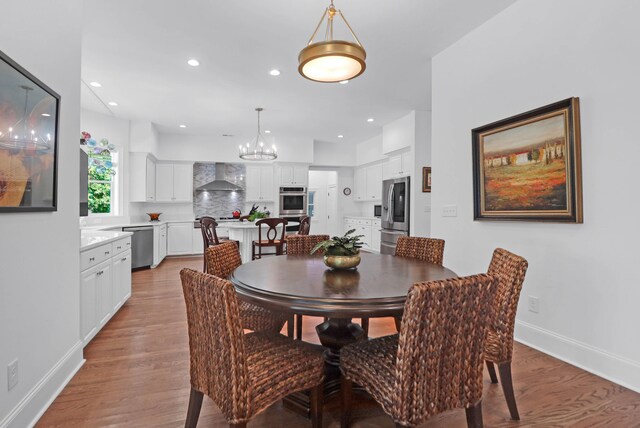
(210, 238)
(271, 237)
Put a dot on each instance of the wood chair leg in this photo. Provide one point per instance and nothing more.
(492, 371)
(240, 425)
(347, 390)
(474, 415)
(317, 405)
(507, 387)
(195, 404)
(290, 327)
(398, 321)
(365, 326)
(253, 252)
(299, 326)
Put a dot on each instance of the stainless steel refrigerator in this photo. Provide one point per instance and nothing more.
(395, 213)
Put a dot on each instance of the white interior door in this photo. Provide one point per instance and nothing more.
(332, 210)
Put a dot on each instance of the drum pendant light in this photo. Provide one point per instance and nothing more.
(331, 60)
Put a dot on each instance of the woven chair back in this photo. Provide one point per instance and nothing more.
(217, 354)
(223, 259)
(426, 249)
(510, 270)
(303, 244)
(440, 352)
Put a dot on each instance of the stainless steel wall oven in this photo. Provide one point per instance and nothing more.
(293, 201)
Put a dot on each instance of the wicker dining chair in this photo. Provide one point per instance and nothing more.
(242, 373)
(510, 270)
(222, 260)
(301, 245)
(435, 363)
(426, 249)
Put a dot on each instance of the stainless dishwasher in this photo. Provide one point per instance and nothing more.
(141, 246)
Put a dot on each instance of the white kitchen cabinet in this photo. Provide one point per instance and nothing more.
(294, 175)
(121, 279)
(260, 183)
(360, 184)
(374, 182)
(398, 165)
(160, 244)
(368, 183)
(142, 173)
(174, 182)
(105, 285)
(179, 238)
(197, 245)
(368, 228)
(375, 235)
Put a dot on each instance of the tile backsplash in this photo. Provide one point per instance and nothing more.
(217, 203)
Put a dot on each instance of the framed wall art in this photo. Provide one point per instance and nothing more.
(28, 140)
(528, 167)
(426, 179)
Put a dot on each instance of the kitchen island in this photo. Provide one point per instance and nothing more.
(246, 232)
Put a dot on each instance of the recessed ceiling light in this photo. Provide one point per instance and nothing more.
(183, 126)
(344, 82)
(113, 103)
(370, 119)
(340, 136)
(193, 62)
(96, 84)
(267, 132)
(46, 114)
(275, 72)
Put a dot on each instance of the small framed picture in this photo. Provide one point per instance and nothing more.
(426, 179)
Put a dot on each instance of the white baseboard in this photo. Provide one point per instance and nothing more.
(35, 403)
(615, 368)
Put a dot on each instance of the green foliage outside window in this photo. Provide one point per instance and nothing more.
(100, 179)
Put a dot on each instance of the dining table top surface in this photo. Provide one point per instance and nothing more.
(304, 284)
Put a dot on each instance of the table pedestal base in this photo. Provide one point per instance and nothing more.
(334, 334)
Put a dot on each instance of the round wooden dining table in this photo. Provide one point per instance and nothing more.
(304, 285)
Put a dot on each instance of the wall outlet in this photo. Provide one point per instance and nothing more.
(534, 304)
(12, 374)
(450, 211)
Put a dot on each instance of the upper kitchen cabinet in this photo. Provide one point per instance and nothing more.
(174, 182)
(294, 175)
(259, 183)
(400, 134)
(368, 183)
(142, 172)
(398, 165)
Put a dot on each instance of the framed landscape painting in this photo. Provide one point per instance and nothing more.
(528, 167)
(28, 140)
(426, 179)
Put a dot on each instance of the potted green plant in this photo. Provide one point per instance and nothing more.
(341, 252)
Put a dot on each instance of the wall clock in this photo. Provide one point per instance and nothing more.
(347, 191)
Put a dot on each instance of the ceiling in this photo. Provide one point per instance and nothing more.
(138, 51)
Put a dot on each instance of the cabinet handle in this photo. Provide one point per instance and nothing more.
(118, 248)
(124, 260)
(92, 259)
(106, 253)
(128, 243)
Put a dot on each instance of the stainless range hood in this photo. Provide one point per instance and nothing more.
(221, 184)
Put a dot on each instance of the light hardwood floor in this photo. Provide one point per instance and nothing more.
(137, 375)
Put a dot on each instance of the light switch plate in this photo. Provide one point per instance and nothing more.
(450, 211)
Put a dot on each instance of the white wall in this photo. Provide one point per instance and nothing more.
(333, 154)
(420, 208)
(39, 261)
(117, 131)
(200, 148)
(144, 137)
(532, 54)
(369, 150)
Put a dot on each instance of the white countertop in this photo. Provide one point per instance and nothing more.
(94, 238)
(249, 224)
(362, 218)
(134, 224)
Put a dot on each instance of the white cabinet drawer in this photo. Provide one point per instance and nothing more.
(94, 256)
(121, 245)
(376, 223)
(363, 222)
(350, 221)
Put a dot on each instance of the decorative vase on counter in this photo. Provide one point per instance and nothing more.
(154, 216)
(342, 262)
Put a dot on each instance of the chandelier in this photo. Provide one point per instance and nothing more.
(23, 138)
(259, 152)
(332, 60)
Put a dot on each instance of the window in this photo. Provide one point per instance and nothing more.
(102, 173)
(311, 203)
